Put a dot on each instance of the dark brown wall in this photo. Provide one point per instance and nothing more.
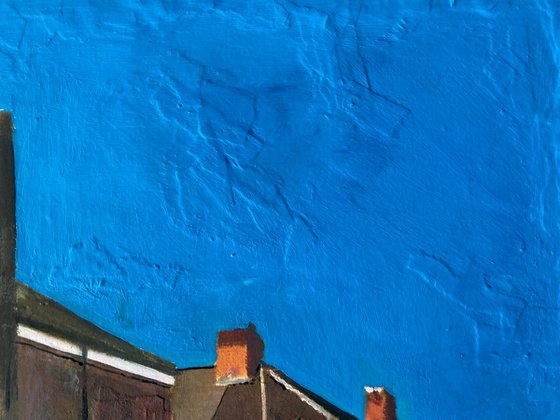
(115, 396)
(51, 386)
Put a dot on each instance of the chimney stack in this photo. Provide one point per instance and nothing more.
(239, 353)
(380, 405)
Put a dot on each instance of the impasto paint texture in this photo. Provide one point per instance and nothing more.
(373, 184)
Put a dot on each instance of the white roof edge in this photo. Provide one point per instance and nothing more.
(301, 395)
(68, 347)
(130, 367)
(48, 340)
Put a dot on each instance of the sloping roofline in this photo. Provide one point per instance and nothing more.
(281, 377)
(44, 314)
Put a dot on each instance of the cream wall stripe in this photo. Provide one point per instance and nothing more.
(65, 346)
(48, 340)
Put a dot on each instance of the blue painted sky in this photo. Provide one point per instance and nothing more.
(374, 185)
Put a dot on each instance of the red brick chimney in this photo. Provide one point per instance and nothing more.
(380, 405)
(239, 353)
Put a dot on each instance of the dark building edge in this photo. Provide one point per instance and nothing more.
(7, 265)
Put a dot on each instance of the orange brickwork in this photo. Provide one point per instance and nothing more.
(380, 405)
(239, 353)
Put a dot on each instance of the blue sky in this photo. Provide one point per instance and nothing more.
(374, 185)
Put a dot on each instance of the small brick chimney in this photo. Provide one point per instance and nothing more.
(380, 405)
(239, 353)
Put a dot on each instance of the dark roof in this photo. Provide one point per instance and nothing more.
(200, 398)
(42, 313)
(331, 408)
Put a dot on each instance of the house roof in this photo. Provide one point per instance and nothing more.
(200, 398)
(304, 394)
(195, 393)
(39, 312)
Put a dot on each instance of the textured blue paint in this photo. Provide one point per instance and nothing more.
(374, 185)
